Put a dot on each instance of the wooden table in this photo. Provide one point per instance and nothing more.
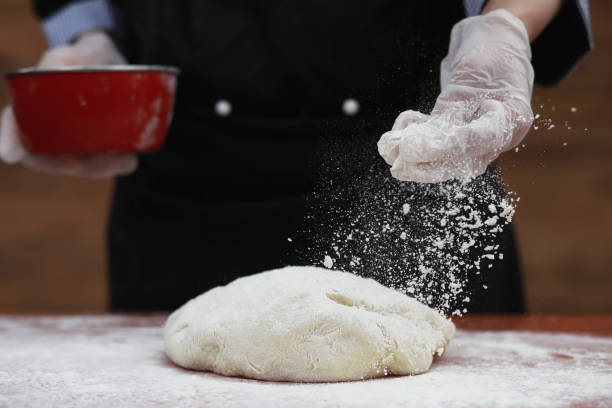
(593, 325)
(118, 360)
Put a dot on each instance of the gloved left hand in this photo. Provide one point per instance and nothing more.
(92, 48)
(484, 107)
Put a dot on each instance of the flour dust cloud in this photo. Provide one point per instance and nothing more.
(434, 242)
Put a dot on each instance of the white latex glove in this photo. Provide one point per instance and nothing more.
(484, 107)
(95, 48)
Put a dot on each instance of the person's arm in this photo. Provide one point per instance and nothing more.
(535, 15)
(557, 43)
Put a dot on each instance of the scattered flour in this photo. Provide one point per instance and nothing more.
(543, 122)
(492, 221)
(328, 262)
(467, 245)
(147, 137)
(114, 361)
(444, 229)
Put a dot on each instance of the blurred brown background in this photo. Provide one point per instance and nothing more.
(52, 228)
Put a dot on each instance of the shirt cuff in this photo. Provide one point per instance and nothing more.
(69, 22)
(473, 7)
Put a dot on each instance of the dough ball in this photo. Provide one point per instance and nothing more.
(306, 324)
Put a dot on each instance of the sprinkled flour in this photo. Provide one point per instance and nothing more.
(427, 240)
(328, 262)
(116, 361)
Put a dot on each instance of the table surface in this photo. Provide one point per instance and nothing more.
(118, 360)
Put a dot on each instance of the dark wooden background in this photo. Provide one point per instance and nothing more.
(52, 228)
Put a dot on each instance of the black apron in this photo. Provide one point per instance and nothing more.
(224, 194)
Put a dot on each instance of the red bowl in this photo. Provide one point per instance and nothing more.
(85, 110)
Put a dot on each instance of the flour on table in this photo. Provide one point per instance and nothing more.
(306, 324)
(117, 361)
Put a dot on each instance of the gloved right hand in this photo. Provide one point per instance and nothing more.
(483, 110)
(92, 48)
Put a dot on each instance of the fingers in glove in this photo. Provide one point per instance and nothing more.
(101, 48)
(11, 149)
(442, 139)
(63, 56)
(95, 166)
(408, 117)
(522, 121)
(388, 145)
(436, 172)
(94, 48)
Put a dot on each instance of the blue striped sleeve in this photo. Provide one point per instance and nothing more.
(473, 7)
(67, 23)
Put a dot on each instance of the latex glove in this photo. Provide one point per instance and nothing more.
(95, 48)
(484, 107)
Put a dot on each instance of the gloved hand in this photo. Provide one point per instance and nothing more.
(484, 107)
(94, 48)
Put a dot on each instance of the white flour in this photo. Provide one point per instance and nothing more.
(51, 362)
(328, 262)
(394, 231)
(390, 230)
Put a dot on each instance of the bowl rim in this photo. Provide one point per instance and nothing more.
(92, 68)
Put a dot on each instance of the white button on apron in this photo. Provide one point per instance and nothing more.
(223, 107)
(350, 107)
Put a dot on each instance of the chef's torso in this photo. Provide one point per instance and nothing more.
(274, 98)
(290, 71)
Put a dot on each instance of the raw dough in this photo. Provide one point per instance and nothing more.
(305, 324)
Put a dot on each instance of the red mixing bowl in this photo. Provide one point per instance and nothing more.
(85, 110)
